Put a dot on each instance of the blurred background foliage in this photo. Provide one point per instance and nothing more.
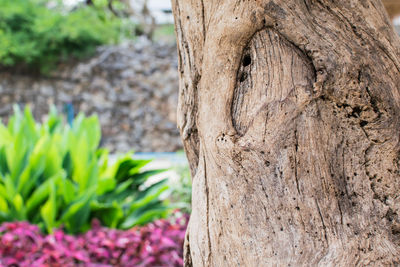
(54, 174)
(182, 188)
(37, 34)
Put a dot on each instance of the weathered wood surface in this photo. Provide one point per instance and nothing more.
(289, 112)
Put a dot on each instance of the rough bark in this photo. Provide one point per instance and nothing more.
(289, 112)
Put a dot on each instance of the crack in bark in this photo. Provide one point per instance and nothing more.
(295, 161)
(265, 126)
(187, 256)
(204, 20)
(266, 197)
(207, 212)
(340, 211)
(307, 6)
(322, 221)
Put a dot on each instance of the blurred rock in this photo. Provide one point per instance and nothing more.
(133, 87)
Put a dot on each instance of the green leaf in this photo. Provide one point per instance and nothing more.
(153, 190)
(18, 203)
(77, 213)
(9, 185)
(30, 175)
(5, 136)
(53, 122)
(3, 190)
(67, 164)
(110, 214)
(137, 166)
(15, 121)
(3, 205)
(137, 218)
(142, 177)
(74, 207)
(18, 161)
(120, 194)
(5, 216)
(69, 191)
(30, 126)
(42, 192)
(48, 211)
(3, 161)
(91, 127)
(105, 185)
(150, 195)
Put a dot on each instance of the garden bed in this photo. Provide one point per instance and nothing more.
(156, 244)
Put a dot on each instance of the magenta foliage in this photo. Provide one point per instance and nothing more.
(156, 244)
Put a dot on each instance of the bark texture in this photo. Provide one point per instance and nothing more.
(289, 112)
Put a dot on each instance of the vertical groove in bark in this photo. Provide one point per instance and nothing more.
(203, 17)
(293, 108)
(207, 212)
(322, 221)
(186, 253)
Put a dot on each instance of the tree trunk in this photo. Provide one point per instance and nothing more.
(289, 112)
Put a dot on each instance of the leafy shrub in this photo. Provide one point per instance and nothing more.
(156, 244)
(54, 174)
(34, 35)
(182, 189)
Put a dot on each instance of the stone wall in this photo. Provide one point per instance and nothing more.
(132, 87)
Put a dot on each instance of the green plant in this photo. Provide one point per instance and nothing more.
(33, 35)
(165, 32)
(54, 174)
(182, 189)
